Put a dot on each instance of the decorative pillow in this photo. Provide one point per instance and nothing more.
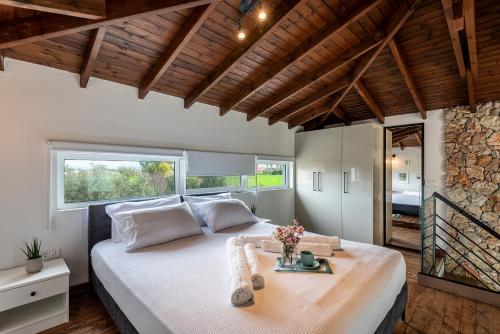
(202, 199)
(117, 226)
(224, 213)
(147, 227)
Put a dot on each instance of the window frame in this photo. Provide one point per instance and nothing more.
(60, 156)
(287, 175)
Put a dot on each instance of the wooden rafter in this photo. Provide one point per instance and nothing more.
(318, 96)
(455, 37)
(183, 36)
(232, 59)
(418, 136)
(366, 96)
(2, 65)
(299, 85)
(407, 76)
(401, 146)
(402, 13)
(299, 53)
(88, 9)
(471, 92)
(302, 118)
(47, 26)
(91, 56)
(470, 31)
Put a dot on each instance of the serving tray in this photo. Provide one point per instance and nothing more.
(324, 267)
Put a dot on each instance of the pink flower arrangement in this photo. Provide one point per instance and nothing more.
(289, 235)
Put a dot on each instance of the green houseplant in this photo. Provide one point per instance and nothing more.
(34, 259)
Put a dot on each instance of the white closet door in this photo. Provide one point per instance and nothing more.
(357, 183)
(318, 176)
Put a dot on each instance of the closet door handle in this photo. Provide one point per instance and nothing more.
(320, 181)
(346, 174)
(314, 182)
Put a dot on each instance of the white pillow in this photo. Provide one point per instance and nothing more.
(117, 226)
(224, 213)
(147, 227)
(202, 199)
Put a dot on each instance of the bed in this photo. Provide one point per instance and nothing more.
(406, 203)
(159, 289)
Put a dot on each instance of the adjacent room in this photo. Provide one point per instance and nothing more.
(249, 166)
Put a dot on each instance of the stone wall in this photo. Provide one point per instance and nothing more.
(472, 179)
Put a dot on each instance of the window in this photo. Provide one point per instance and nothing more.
(84, 178)
(270, 174)
(199, 184)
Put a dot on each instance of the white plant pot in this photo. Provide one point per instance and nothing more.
(34, 265)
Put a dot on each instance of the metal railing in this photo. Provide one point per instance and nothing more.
(442, 242)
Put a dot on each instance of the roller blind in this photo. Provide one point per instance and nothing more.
(274, 158)
(220, 164)
(104, 148)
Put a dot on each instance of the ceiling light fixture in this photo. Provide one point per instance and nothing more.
(246, 7)
(262, 15)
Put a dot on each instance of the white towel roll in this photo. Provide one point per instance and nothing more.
(322, 239)
(318, 249)
(240, 284)
(254, 239)
(254, 266)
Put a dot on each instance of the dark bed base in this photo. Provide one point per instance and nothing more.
(405, 209)
(99, 229)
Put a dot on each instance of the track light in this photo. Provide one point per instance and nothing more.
(262, 15)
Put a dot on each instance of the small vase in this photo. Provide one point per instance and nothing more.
(34, 265)
(288, 255)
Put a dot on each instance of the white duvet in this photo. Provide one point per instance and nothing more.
(181, 287)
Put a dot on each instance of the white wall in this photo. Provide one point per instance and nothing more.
(414, 155)
(38, 103)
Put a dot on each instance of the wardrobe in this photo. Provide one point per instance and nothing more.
(339, 182)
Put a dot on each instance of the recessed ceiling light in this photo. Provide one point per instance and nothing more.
(241, 35)
(262, 15)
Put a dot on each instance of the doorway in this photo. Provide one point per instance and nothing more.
(403, 179)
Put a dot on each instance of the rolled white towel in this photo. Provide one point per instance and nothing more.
(318, 249)
(323, 239)
(240, 283)
(254, 239)
(271, 246)
(254, 266)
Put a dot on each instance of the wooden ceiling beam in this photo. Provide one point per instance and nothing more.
(471, 92)
(458, 16)
(232, 59)
(91, 55)
(470, 32)
(325, 108)
(418, 136)
(182, 37)
(47, 25)
(454, 35)
(407, 76)
(2, 64)
(318, 96)
(299, 85)
(87, 9)
(366, 96)
(402, 13)
(298, 53)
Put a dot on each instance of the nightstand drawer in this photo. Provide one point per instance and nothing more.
(33, 292)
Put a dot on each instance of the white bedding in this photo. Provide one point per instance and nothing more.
(406, 197)
(181, 287)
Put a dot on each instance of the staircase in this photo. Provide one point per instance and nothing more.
(453, 257)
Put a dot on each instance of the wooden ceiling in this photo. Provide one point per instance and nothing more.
(312, 63)
(406, 136)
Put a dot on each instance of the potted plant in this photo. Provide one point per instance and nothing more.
(34, 259)
(289, 236)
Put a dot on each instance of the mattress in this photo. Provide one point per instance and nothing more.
(180, 287)
(406, 198)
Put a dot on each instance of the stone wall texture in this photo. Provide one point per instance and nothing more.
(472, 180)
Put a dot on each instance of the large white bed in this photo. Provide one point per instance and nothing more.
(181, 287)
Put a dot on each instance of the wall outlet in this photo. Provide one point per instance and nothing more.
(51, 253)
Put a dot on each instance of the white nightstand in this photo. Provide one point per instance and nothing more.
(30, 303)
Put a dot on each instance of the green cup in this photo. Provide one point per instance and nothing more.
(307, 258)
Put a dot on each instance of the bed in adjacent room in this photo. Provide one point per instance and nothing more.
(406, 203)
(181, 287)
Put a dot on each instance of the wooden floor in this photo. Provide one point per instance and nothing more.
(405, 237)
(429, 311)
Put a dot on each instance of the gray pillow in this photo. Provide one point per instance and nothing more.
(224, 213)
(202, 199)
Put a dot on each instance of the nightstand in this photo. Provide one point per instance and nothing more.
(30, 303)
